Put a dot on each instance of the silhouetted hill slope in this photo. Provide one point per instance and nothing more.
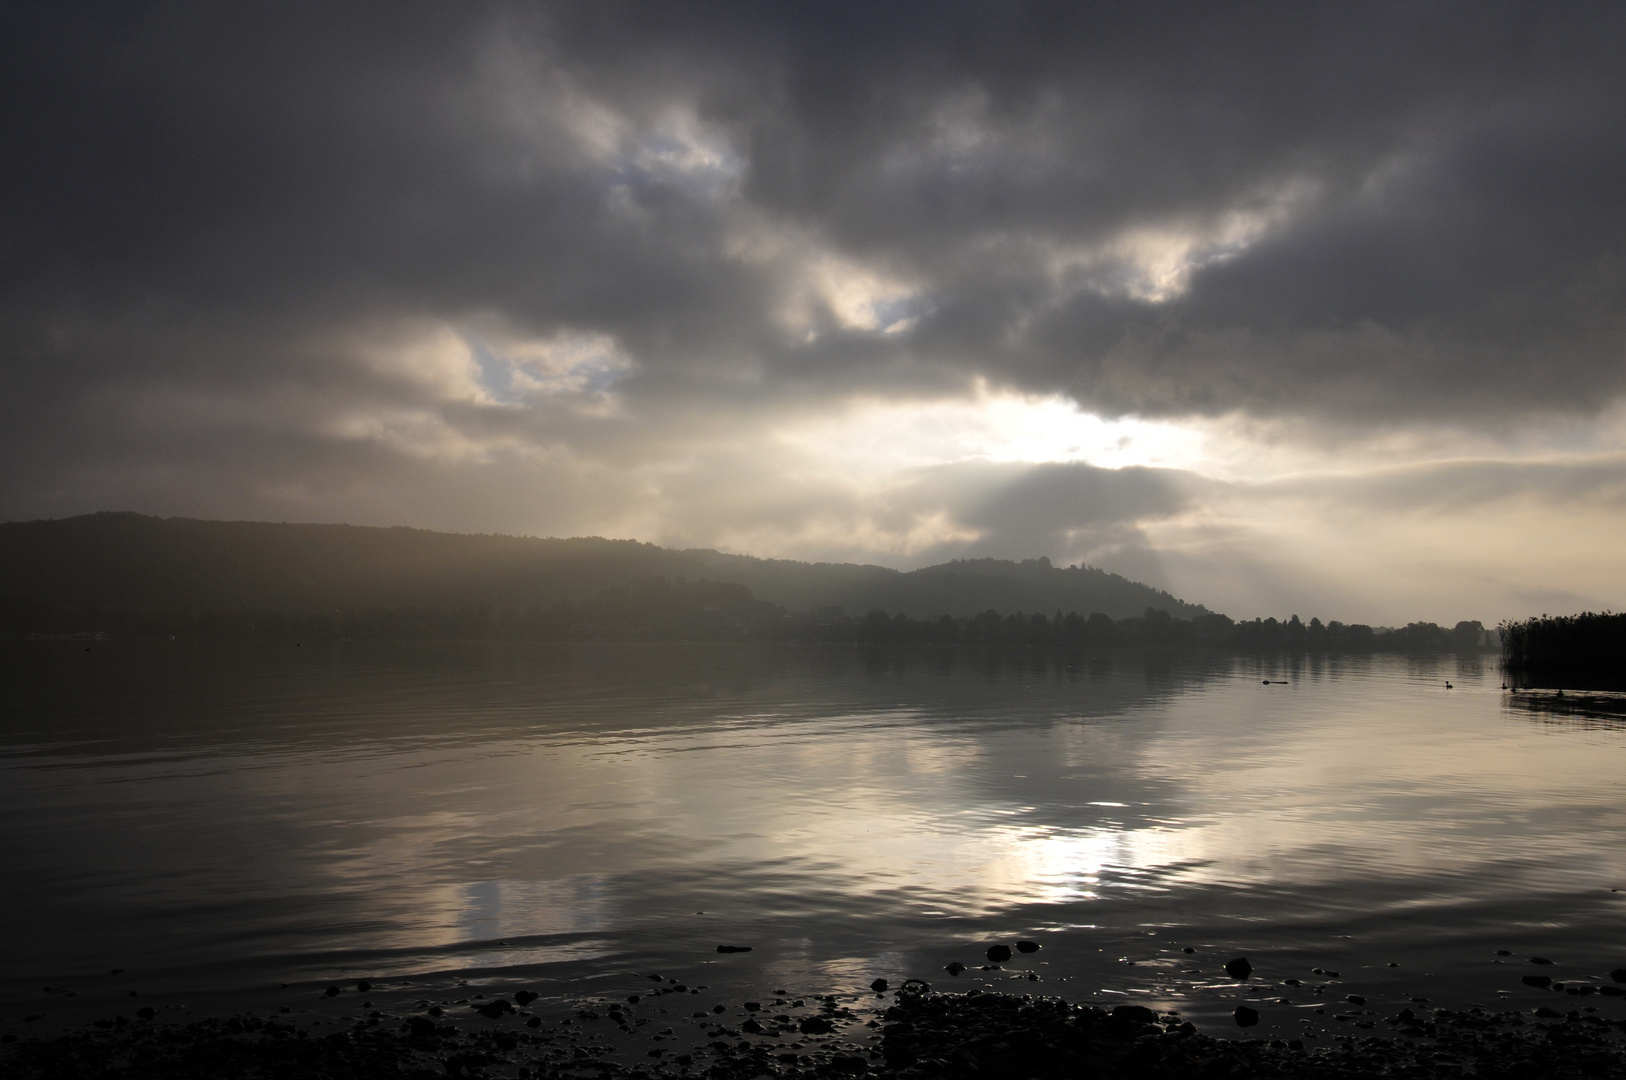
(962, 587)
(122, 561)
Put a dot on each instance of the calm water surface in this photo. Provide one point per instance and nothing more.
(220, 820)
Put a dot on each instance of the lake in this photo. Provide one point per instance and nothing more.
(218, 820)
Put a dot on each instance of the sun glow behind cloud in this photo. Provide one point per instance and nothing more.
(872, 438)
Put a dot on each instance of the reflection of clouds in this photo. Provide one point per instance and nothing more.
(1053, 866)
(488, 910)
(836, 802)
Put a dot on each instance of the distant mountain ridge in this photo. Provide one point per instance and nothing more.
(127, 561)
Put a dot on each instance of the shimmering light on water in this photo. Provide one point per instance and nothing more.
(226, 817)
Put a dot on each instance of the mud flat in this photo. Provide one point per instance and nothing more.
(912, 1034)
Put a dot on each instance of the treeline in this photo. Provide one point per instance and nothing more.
(1154, 628)
(658, 608)
(1585, 651)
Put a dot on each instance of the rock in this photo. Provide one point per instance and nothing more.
(753, 1006)
(1504, 952)
(420, 1027)
(495, 1010)
(1246, 1017)
(525, 997)
(752, 1027)
(1619, 975)
(879, 986)
(1331, 974)
(1355, 999)
(814, 1025)
(1540, 960)
(1611, 991)
(331, 991)
(1140, 1014)
(1292, 982)
(849, 1063)
(734, 948)
(719, 1008)
(998, 954)
(1238, 968)
(1027, 946)
(1537, 980)
(1549, 1014)
(1188, 949)
(363, 987)
(954, 967)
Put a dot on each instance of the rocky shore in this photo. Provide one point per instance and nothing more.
(911, 1033)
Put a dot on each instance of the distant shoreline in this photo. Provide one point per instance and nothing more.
(1154, 630)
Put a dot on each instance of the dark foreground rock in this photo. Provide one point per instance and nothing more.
(922, 1036)
(994, 1037)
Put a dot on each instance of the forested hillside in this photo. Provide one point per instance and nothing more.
(129, 562)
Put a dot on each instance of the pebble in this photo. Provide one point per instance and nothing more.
(1140, 1014)
(954, 967)
(733, 948)
(998, 954)
(1246, 1017)
(1027, 946)
(879, 986)
(1238, 968)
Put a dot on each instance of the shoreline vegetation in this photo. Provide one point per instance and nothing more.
(917, 1035)
(1575, 652)
(658, 609)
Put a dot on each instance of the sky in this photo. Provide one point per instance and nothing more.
(1289, 308)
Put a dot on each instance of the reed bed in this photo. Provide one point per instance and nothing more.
(1585, 651)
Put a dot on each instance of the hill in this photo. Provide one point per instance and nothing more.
(131, 562)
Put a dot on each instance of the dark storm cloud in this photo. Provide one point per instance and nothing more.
(214, 219)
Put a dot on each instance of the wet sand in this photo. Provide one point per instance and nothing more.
(908, 1032)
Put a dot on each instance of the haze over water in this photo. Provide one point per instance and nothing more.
(221, 819)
